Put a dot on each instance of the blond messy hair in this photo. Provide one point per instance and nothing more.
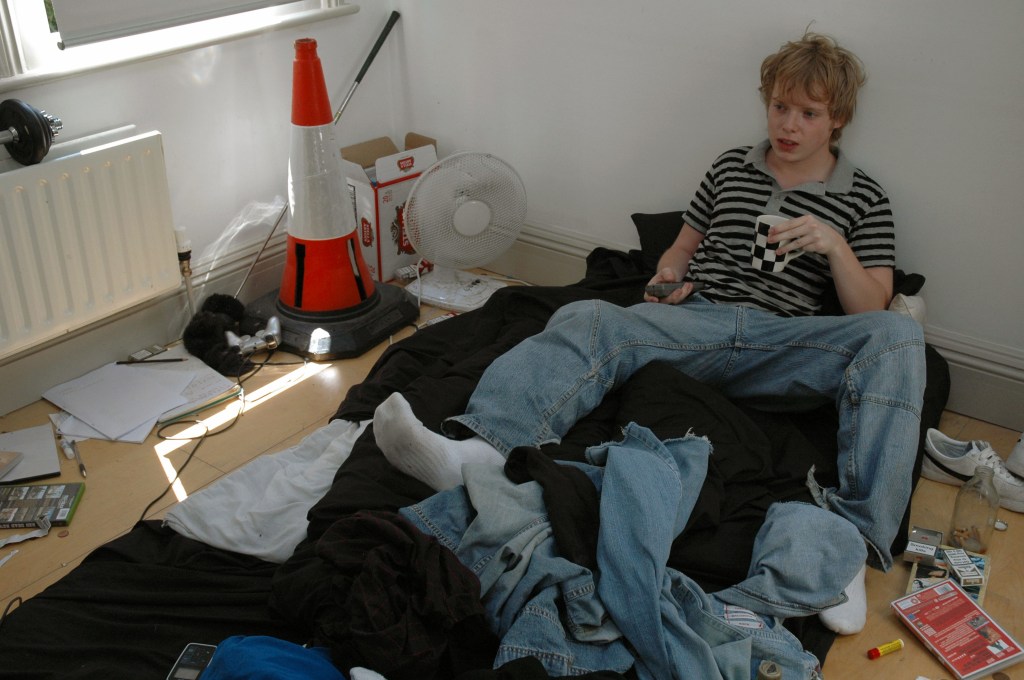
(819, 68)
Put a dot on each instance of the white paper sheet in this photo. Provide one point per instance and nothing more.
(116, 399)
(73, 429)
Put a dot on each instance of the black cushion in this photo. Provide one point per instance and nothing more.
(657, 231)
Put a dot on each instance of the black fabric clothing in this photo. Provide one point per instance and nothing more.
(132, 605)
(399, 602)
(758, 457)
(571, 499)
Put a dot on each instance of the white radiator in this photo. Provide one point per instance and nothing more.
(82, 238)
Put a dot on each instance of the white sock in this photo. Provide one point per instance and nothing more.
(419, 452)
(1015, 461)
(849, 617)
(359, 673)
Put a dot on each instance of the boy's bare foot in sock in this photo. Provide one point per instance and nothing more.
(849, 617)
(421, 453)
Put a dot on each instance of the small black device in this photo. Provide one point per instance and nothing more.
(661, 290)
(192, 662)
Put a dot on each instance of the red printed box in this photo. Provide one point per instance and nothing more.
(380, 178)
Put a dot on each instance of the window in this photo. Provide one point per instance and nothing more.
(99, 33)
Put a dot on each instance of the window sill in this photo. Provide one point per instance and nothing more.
(39, 76)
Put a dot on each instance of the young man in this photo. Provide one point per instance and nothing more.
(751, 334)
(840, 214)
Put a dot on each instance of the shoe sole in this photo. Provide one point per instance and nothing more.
(1012, 506)
(937, 472)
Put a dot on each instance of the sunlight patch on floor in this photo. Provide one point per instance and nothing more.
(189, 433)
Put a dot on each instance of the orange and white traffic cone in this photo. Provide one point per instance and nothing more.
(328, 305)
(324, 269)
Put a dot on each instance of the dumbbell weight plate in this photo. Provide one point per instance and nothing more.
(34, 134)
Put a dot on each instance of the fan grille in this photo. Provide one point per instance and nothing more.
(446, 186)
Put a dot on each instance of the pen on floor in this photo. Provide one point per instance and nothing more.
(151, 361)
(78, 457)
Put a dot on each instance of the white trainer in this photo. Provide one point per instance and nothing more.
(1015, 461)
(952, 462)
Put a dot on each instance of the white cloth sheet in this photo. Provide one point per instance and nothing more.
(260, 508)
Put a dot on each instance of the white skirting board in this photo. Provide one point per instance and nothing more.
(987, 380)
(160, 320)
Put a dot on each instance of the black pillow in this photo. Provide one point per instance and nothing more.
(657, 231)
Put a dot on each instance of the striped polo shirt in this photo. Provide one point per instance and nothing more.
(739, 187)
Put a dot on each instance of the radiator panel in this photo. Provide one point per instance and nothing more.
(83, 238)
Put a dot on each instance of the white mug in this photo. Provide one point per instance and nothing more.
(763, 255)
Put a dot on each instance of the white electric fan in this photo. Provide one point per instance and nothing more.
(462, 212)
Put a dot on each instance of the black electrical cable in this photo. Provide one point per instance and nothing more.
(240, 380)
(7, 610)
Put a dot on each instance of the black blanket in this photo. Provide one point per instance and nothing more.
(131, 606)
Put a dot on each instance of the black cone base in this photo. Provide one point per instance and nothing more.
(322, 336)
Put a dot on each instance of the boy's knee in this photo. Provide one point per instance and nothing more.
(581, 309)
(903, 328)
(892, 328)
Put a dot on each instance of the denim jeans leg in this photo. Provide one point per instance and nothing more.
(879, 401)
(871, 366)
(534, 393)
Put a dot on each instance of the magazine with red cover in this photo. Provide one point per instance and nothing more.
(957, 631)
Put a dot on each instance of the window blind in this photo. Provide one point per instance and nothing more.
(86, 21)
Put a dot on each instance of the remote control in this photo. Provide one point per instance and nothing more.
(192, 662)
(661, 290)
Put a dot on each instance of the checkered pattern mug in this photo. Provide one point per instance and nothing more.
(763, 255)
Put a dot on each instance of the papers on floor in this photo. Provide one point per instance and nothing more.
(123, 402)
(39, 457)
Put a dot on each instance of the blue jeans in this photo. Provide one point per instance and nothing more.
(676, 628)
(537, 602)
(636, 611)
(871, 366)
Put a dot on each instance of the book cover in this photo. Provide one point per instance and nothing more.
(207, 388)
(924, 575)
(39, 456)
(198, 406)
(22, 504)
(957, 630)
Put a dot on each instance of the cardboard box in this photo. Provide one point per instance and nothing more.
(922, 546)
(963, 567)
(380, 178)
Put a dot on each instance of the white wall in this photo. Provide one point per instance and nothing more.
(606, 108)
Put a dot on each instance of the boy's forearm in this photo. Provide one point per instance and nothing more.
(860, 289)
(678, 256)
(676, 259)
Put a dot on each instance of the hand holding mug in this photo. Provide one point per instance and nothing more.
(764, 254)
(778, 240)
